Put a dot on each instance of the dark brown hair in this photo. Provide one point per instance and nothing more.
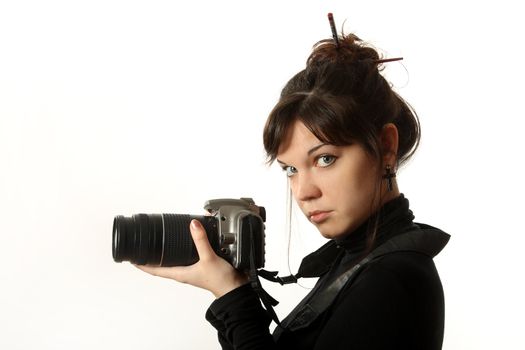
(342, 98)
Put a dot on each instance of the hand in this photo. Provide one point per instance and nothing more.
(211, 272)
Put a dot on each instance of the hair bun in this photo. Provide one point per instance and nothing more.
(351, 49)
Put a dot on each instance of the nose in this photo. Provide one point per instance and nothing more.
(304, 187)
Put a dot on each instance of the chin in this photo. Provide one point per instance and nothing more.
(329, 236)
(330, 230)
(329, 233)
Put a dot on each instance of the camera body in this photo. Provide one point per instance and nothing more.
(241, 230)
(235, 229)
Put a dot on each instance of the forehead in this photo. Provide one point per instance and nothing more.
(298, 140)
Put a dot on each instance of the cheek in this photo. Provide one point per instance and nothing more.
(366, 173)
(357, 178)
(355, 186)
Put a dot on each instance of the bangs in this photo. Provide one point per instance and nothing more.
(329, 118)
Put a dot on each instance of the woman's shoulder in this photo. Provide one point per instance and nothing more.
(402, 267)
(404, 264)
(403, 277)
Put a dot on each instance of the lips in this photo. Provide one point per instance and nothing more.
(318, 216)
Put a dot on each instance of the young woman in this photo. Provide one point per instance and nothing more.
(339, 132)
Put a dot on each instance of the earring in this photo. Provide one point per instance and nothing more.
(389, 176)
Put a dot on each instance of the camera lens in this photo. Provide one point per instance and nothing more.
(159, 239)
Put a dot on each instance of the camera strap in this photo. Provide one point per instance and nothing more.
(315, 264)
(268, 301)
(425, 240)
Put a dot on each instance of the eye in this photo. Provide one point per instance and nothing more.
(289, 170)
(325, 160)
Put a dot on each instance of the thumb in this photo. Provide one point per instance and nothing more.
(200, 239)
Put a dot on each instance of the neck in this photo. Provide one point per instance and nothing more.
(387, 196)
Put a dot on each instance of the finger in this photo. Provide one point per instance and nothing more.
(200, 239)
(152, 270)
(176, 273)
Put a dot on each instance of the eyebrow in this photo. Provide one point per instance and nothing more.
(315, 148)
(310, 151)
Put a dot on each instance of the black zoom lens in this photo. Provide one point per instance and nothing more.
(159, 239)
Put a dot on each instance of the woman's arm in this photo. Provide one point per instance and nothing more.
(241, 321)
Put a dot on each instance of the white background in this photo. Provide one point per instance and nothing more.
(118, 107)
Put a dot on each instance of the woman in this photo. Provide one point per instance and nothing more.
(339, 132)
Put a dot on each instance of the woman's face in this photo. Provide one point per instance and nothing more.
(334, 186)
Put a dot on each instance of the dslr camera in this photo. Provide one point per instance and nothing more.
(235, 229)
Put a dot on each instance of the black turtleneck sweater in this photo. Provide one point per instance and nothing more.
(394, 302)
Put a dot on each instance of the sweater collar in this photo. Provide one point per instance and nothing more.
(393, 218)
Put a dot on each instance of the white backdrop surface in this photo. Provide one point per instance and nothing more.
(118, 107)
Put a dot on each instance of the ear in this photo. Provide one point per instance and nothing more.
(390, 144)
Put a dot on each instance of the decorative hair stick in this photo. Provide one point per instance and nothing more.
(334, 31)
(383, 60)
